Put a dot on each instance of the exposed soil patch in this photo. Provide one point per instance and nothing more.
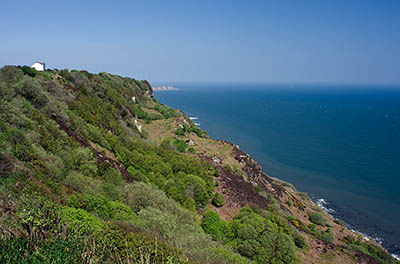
(237, 191)
(254, 171)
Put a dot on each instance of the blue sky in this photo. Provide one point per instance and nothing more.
(282, 41)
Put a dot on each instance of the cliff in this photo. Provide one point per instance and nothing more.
(94, 169)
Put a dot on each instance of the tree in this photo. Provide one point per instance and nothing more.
(213, 225)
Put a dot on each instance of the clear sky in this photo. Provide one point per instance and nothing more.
(282, 41)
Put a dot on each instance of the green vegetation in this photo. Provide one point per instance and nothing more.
(80, 184)
(317, 219)
(29, 71)
(367, 248)
(218, 200)
(69, 149)
(264, 238)
(166, 111)
(212, 224)
(181, 131)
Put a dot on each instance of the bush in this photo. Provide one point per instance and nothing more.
(339, 222)
(37, 214)
(29, 71)
(263, 239)
(276, 248)
(317, 219)
(79, 182)
(326, 237)
(299, 240)
(80, 222)
(179, 132)
(32, 92)
(218, 200)
(83, 160)
(180, 145)
(24, 250)
(190, 204)
(196, 188)
(163, 224)
(213, 225)
(370, 249)
(140, 195)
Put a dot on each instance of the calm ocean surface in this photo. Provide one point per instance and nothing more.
(337, 143)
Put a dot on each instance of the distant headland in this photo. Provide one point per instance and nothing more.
(165, 88)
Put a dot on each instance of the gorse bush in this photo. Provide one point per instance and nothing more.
(317, 219)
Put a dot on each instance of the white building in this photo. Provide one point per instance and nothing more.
(39, 66)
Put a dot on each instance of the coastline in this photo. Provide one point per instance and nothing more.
(324, 205)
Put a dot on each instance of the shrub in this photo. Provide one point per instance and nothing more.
(179, 132)
(339, 222)
(6, 163)
(190, 204)
(276, 248)
(370, 249)
(196, 188)
(163, 224)
(191, 150)
(180, 145)
(78, 181)
(24, 152)
(97, 204)
(81, 222)
(38, 214)
(140, 195)
(299, 240)
(28, 71)
(102, 207)
(263, 239)
(326, 237)
(317, 219)
(111, 191)
(32, 92)
(304, 196)
(84, 161)
(24, 250)
(256, 188)
(213, 225)
(121, 212)
(218, 200)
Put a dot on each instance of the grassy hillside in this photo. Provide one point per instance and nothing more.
(93, 169)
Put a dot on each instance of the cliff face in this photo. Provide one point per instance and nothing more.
(80, 182)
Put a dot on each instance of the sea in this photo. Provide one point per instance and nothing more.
(338, 143)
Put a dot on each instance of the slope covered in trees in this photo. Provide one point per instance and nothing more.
(94, 169)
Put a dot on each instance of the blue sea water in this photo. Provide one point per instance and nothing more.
(337, 143)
